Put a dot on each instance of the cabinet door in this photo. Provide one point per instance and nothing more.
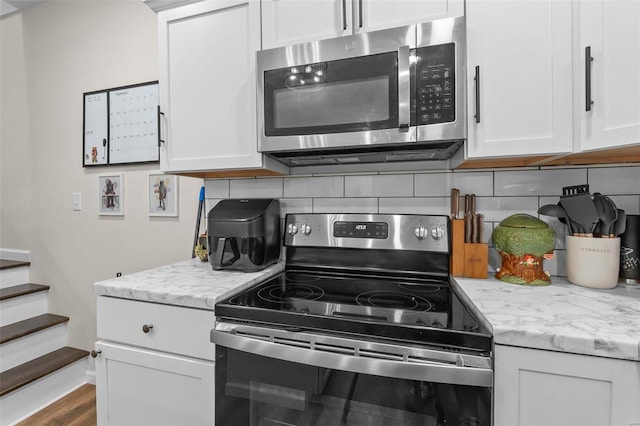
(611, 30)
(286, 22)
(140, 387)
(370, 15)
(208, 85)
(521, 102)
(536, 387)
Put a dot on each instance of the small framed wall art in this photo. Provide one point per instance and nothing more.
(111, 195)
(163, 195)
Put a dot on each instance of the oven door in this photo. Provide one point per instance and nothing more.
(348, 91)
(267, 376)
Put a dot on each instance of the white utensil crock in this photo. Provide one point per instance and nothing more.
(593, 262)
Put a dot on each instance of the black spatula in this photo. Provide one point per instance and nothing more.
(580, 210)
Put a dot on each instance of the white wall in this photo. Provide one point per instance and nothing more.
(51, 55)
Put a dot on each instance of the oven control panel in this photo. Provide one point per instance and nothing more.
(374, 231)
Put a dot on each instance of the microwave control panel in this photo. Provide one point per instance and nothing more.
(435, 77)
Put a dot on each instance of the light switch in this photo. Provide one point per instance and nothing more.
(77, 201)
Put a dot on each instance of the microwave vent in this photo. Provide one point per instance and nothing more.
(414, 152)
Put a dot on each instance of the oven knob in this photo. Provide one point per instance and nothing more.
(421, 232)
(437, 232)
(292, 229)
(305, 229)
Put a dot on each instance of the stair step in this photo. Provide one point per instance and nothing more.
(21, 290)
(28, 326)
(8, 264)
(28, 372)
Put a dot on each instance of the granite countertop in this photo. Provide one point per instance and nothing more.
(560, 317)
(191, 283)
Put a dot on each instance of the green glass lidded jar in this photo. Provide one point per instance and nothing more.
(523, 242)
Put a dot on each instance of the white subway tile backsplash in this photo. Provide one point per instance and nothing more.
(440, 184)
(379, 186)
(495, 209)
(321, 186)
(615, 180)
(345, 205)
(216, 188)
(500, 193)
(295, 205)
(537, 182)
(434, 205)
(256, 188)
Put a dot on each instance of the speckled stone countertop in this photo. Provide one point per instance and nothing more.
(191, 283)
(560, 317)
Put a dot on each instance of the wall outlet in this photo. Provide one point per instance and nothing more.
(77, 201)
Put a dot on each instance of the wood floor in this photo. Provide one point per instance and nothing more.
(76, 409)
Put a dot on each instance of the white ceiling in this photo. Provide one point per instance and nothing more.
(12, 6)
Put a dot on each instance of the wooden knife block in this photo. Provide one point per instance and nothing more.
(469, 260)
(456, 260)
(476, 260)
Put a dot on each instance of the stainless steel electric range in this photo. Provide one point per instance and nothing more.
(362, 328)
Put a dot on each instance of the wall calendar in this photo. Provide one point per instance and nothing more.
(121, 125)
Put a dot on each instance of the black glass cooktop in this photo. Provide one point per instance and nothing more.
(424, 311)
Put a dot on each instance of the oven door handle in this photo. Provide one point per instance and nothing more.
(336, 358)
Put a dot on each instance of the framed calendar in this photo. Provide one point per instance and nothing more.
(121, 125)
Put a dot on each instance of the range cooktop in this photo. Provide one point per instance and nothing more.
(375, 276)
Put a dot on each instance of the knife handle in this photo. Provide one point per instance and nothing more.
(455, 203)
(472, 204)
(468, 228)
(479, 227)
(467, 204)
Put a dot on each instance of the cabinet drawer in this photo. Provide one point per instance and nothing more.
(171, 329)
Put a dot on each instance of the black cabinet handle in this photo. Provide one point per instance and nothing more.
(360, 12)
(587, 77)
(344, 14)
(160, 115)
(147, 328)
(477, 81)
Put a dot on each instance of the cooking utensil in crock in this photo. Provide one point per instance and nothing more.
(581, 212)
(620, 225)
(557, 211)
(607, 212)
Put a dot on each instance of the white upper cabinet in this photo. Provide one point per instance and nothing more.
(519, 78)
(610, 33)
(286, 22)
(208, 86)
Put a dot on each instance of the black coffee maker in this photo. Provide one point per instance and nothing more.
(244, 234)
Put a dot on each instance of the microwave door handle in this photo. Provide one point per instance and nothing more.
(404, 88)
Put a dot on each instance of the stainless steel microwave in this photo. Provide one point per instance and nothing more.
(388, 95)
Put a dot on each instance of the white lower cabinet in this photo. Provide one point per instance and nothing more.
(536, 387)
(141, 387)
(154, 364)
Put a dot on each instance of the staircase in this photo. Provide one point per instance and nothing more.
(36, 366)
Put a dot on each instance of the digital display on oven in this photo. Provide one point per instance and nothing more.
(361, 230)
